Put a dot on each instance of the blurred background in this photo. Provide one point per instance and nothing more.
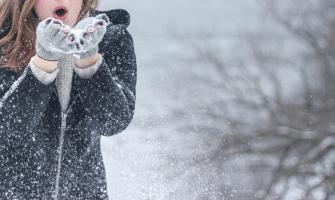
(235, 101)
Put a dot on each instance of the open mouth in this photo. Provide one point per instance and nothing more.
(60, 13)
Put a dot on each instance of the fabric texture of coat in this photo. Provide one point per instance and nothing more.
(31, 119)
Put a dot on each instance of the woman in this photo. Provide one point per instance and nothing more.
(67, 76)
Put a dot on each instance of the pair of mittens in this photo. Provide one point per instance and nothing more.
(55, 39)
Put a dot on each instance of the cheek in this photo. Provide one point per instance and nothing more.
(42, 9)
(74, 13)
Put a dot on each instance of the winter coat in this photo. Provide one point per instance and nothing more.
(31, 123)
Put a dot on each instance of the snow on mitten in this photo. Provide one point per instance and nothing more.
(88, 33)
(52, 39)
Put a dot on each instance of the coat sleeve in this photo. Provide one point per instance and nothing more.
(109, 95)
(23, 100)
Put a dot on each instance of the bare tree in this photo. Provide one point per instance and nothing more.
(276, 108)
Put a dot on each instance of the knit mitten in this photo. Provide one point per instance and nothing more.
(52, 39)
(88, 33)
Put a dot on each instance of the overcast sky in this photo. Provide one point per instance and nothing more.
(156, 16)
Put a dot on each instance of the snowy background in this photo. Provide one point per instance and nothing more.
(141, 161)
(195, 58)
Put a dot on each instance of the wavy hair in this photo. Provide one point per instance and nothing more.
(18, 22)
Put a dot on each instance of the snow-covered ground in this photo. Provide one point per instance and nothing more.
(151, 160)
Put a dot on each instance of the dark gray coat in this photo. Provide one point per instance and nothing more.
(30, 120)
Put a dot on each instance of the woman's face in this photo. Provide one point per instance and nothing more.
(66, 10)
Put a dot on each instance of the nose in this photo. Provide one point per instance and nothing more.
(58, 1)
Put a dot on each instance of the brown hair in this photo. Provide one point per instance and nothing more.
(18, 22)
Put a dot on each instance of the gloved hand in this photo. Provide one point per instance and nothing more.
(88, 33)
(52, 39)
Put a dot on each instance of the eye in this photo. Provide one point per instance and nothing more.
(85, 35)
(48, 21)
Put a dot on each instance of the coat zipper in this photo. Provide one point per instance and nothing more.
(60, 148)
